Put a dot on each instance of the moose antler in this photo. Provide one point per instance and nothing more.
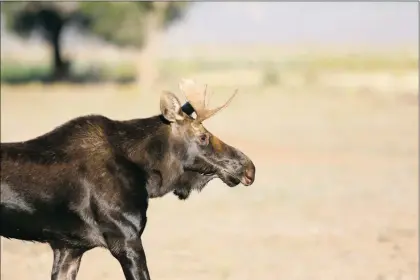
(198, 100)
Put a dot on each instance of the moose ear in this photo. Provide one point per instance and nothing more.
(170, 107)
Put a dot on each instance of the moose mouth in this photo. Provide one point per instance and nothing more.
(232, 180)
(227, 178)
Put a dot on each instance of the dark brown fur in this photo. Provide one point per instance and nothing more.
(86, 184)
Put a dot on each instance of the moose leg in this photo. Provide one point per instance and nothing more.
(66, 263)
(132, 259)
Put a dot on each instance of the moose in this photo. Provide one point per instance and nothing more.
(86, 183)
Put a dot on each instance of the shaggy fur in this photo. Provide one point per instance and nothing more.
(86, 183)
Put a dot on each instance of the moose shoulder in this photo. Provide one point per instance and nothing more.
(86, 183)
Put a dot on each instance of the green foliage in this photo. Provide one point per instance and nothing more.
(117, 22)
(123, 23)
(175, 11)
(12, 11)
(46, 17)
(13, 72)
(16, 73)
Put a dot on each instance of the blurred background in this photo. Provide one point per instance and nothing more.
(327, 110)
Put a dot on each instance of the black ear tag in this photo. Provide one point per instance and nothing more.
(188, 109)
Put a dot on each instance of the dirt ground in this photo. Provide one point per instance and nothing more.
(335, 196)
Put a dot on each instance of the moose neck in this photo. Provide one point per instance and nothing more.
(148, 142)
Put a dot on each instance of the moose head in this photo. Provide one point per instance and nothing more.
(199, 150)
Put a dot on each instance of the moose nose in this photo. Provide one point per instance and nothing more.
(249, 175)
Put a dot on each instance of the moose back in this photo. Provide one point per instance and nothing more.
(86, 183)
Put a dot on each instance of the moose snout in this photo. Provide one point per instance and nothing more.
(249, 174)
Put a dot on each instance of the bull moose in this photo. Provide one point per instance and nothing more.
(86, 183)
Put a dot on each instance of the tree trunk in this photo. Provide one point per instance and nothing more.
(60, 67)
(147, 64)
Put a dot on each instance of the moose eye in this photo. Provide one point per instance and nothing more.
(203, 138)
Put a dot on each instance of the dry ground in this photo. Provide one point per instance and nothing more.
(335, 195)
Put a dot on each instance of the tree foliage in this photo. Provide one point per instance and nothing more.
(49, 19)
(121, 23)
(46, 17)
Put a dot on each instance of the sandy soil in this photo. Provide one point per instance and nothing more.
(335, 197)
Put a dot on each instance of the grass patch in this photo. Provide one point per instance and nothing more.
(17, 73)
(13, 72)
(360, 63)
(318, 62)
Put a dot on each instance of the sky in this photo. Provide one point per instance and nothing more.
(372, 24)
(366, 23)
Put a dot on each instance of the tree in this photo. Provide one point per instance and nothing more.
(135, 24)
(49, 18)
